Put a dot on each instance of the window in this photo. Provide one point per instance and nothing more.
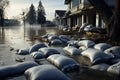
(75, 3)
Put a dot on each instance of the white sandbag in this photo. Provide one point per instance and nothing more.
(96, 56)
(115, 69)
(82, 27)
(72, 50)
(15, 70)
(114, 51)
(37, 55)
(23, 52)
(64, 63)
(89, 27)
(45, 72)
(102, 46)
(56, 42)
(47, 51)
(82, 48)
(101, 67)
(86, 43)
(37, 46)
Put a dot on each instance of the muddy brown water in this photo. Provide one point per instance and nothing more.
(17, 37)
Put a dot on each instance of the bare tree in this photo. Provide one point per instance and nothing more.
(3, 5)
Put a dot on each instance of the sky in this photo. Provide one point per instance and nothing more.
(16, 7)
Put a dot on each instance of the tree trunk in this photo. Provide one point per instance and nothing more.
(115, 29)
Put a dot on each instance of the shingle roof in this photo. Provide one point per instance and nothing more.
(60, 13)
(67, 1)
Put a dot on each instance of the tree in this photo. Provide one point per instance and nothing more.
(115, 24)
(3, 5)
(31, 16)
(41, 19)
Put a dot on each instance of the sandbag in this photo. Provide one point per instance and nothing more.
(64, 37)
(114, 51)
(73, 43)
(45, 72)
(56, 42)
(14, 70)
(72, 50)
(86, 43)
(96, 56)
(37, 46)
(114, 69)
(48, 51)
(101, 67)
(23, 52)
(64, 63)
(102, 46)
(82, 27)
(37, 55)
(64, 40)
(52, 37)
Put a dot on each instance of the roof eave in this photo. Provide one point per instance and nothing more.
(67, 1)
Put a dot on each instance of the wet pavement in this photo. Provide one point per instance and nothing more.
(14, 38)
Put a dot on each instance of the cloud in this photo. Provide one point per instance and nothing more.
(16, 6)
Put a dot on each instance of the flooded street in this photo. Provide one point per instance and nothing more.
(14, 38)
(18, 37)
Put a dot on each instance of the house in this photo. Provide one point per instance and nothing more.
(59, 17)
(82, 11)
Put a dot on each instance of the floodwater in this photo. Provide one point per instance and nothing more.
(14, 38)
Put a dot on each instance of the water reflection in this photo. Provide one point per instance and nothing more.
(20, 36)
(2, 34)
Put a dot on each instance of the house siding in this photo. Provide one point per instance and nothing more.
(83, 12)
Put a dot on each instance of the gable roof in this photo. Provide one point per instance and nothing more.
(60, 13)
(67, 1)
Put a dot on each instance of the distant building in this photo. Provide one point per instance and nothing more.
(59, 17)
(81, 11)
(11, 22)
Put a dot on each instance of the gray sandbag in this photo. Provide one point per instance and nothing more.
(86, 43)
(72, 50)
(96, 56)
(101, 67)
(23, 52)
(15, 70)
(37, 55)
(45, 72)
(102, 46)
(64, 37)
(56, 42)
(52, 37)
(47, 51)
(114, 60)
(114, 51)
(45, 36)
(64, 40)
(64, 63)
(73, 43)
(114, 69)
(37, 46)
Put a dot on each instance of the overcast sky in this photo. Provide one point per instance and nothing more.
(17, 6)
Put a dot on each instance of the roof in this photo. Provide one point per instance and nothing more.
(60, 13)
(67, 1)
